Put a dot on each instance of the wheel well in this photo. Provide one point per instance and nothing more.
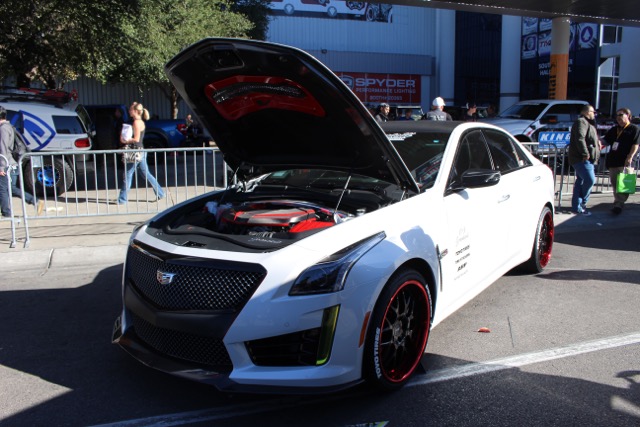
(422, 267)
(156, 136)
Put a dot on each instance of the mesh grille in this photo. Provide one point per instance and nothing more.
(196, 286)
(188, 347)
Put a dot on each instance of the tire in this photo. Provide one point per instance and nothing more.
(542, 244)
(154, 141)
(398, 332)
(54, 178)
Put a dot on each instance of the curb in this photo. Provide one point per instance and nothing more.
(75, 256)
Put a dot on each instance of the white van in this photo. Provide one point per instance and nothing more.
(47, 124)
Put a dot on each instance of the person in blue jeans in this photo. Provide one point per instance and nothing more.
(137, 113)
(584, 152)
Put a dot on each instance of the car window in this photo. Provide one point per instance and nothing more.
(524, 111)
(68, 125)
(503, 153)
(563, 112)
(84, 117)
(472, 154)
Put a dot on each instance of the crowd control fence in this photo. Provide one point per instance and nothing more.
(5, 185)
(88, 183)
(80, 184)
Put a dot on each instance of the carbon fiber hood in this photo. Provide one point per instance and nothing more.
(272, 107)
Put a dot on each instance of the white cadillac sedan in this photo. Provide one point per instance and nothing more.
(343, 242)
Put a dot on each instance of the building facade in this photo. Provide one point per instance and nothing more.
(409, 55)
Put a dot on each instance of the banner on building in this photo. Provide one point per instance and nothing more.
(373, 88)
(372, 12)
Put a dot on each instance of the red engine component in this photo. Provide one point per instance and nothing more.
(268, 217)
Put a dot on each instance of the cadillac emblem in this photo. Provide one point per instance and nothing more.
(165, 278)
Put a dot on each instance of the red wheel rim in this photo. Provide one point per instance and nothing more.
(545, 240)
(404, 331)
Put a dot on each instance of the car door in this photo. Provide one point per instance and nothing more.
(474, 222)
(515, 174)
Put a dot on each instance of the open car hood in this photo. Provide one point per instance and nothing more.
(271, 107)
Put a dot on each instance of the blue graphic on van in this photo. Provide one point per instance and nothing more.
(37, 133)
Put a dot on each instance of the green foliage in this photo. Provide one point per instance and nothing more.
(53, 41)
(162, 28)
(256, 11)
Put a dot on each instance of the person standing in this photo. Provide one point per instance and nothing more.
(437, 111)
(137, 113)
(622, 140)
(471, 115)
(584, 152)
(382, 114)
(9, 173)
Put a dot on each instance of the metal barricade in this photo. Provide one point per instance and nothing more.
(557, 158)
(89, 183)
(5, 185)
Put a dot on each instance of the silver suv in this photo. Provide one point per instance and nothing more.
(526, 119)
(48, 121)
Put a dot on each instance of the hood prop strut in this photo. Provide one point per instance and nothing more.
(336, 217)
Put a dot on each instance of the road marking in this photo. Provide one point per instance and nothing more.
(430, 377)
(480, 368)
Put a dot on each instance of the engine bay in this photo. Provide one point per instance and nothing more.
(268, 214)
(271, 218)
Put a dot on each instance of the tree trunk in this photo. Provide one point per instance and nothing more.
(174, 103)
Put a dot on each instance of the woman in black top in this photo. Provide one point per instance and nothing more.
(623, 145)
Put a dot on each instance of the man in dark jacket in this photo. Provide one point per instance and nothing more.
(623, 146)
(584, 152)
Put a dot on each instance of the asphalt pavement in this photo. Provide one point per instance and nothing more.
(102, 240)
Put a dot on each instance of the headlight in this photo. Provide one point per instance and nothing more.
(135, 230)
(330, 274)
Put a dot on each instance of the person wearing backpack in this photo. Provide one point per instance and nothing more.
(9, 169)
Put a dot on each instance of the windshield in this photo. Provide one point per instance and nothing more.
(422, 153)
(322, 179)
(523, 111)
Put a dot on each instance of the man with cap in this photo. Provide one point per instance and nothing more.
(382, 114)
(437, 111)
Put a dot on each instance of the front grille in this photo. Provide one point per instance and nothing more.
(193, 348)
(296, 349)
(198, 284)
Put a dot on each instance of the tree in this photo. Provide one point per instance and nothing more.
(161, 29)
(53, 41)
(256, 11)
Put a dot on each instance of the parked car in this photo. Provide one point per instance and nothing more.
(344, 242)
(397, 112)
(525, 118)
(49, 120)
(159, 133)
(458, 112)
